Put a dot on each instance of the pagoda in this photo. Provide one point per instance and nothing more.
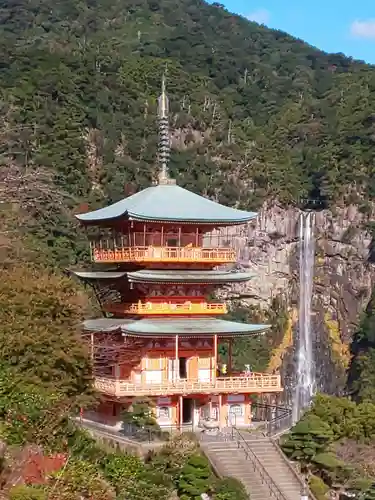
(157, 256)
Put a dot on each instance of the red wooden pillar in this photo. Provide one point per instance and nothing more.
(215, 357)
(176, 367)
(180, 415)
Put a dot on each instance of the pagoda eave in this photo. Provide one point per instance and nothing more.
(203, 277)
(149, 220)
(166, 327)
(168, 204)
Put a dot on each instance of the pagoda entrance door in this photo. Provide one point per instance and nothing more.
(187, 410)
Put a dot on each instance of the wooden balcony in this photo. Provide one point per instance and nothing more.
(254, 384)
(167, 308)
(215, 256)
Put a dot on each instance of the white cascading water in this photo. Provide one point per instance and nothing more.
(305, 372)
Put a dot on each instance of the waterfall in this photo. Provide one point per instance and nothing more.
(305, 373)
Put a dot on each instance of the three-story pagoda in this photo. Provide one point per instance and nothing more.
(158, 255)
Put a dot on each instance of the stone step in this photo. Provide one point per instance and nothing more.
(232, 461)
(252, 483)
(236, 466)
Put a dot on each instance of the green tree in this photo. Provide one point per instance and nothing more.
(143, 488)
(170, 460)
(141, 417)
(318, 487)
(361, 378)
(39, 335)
(229, 488)
(31, 415)
(338, 413)
(132, 480)
(28, 493)
(195, 478)
(119, 468)
(256, 351)
(308, 438)
(79, 480)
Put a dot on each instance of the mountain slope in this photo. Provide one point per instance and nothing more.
(255, 113)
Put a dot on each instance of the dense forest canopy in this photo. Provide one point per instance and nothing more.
(255, 113)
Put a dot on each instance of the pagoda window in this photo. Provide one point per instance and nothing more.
(183, 368)
(215, 412)
(172, 242)
(154, 373)
(236, 409)
(163, 412)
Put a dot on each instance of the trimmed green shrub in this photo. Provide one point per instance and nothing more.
(308, 437)
(318, 487)
(28, 493)
(230, 488)
(195, 478)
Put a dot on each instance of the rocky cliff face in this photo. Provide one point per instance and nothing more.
(343, 281)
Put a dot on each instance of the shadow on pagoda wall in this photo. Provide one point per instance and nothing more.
(150, 361)
(111, 351)
(125, 235)
(122, 298)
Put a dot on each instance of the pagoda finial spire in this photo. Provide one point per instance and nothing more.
(164, 138)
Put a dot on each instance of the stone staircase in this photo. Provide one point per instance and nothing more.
(257, 462)
(277, 466)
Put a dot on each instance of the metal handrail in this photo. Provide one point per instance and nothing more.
(287, 417)
(258, 467)
(304, 485)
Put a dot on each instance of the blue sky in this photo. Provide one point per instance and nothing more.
(332, 25)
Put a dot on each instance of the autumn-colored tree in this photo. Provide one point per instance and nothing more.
(77, 480)
(80, 480)
(40, 315)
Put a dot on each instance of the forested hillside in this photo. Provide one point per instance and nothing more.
(255, 115)
(256, 108)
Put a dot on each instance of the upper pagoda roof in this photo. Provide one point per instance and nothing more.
(165, 327)
(168, 203)
(165, 276)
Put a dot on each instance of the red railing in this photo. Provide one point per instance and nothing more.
(163, 254)
(150, 308)
(225, 385)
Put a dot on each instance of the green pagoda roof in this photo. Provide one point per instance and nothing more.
(105, 324)
(164, 276)
(98, 275)
(173, 326)
(168, 203)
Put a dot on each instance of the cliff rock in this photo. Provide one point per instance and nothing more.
(343, 281)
